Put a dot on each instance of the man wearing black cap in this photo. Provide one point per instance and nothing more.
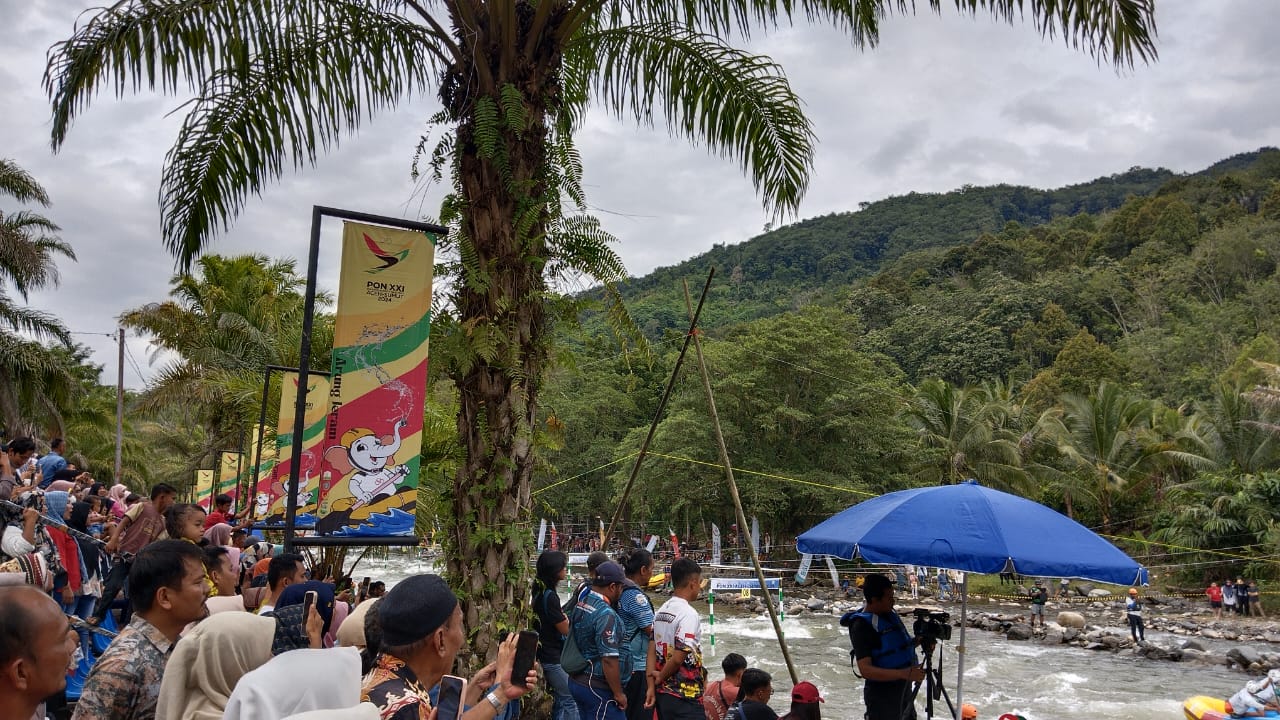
(597, 631)
(421, 635)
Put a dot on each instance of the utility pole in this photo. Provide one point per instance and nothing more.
(119, 399)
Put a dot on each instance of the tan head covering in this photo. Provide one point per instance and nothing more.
(351, 631)
(207, 663)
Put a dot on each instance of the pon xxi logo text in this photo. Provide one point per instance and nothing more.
(389, 259)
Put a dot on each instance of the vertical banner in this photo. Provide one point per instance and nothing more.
(715, 544)
(279, 481)
(258, 503)
(653, 543)
(803, 573)
(755, 534)
(228, 473)
(602, 547)
(555, 538)
(373, 435)
(542, 534)
(675, 543)
(835, 576)
(204, 489)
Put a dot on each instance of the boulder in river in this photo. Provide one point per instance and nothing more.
(1068, 619)
(1100, 592)
(1083, 589)
(1018, 631)
(816, 604)
(1193, 645)
(1244, 656)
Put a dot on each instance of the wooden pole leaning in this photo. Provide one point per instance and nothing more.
(657, 415)
(733, 489)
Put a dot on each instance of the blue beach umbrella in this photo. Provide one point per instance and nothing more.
(970, 528)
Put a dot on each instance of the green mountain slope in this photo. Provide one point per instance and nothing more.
(814, 259)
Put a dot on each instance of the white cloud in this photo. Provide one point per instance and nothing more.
(944, 101)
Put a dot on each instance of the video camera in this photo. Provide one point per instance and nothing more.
(931, 624)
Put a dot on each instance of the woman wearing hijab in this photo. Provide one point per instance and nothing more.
(117, 495)
(205, 666)
(300, 681)
(220, 535)
(57, 509)
(90, 563)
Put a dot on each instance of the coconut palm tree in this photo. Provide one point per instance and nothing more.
(217, 333)
(277, 83)
(28, 254)
(966, 433)
(1107, 441)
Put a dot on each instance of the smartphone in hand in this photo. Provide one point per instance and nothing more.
(309, 600)
(526, 654)
(449, 702)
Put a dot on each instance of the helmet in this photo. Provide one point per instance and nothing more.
(1255, 686)
(968, 712)
(1133, 591)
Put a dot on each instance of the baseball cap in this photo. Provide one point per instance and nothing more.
(608, 573)
(806, 692)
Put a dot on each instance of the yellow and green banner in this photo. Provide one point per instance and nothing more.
(373, 434)
(229, 465)
(278, 485)
(204, 489)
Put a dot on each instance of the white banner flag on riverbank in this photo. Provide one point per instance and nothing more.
(755, 534)
(805, 561)
(715, 544)
(835, 576)
(542, 534)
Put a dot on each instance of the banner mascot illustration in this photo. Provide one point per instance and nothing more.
(367, 466)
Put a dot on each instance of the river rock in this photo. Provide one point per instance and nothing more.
(1054, 636)
(795, 609)
(1068, 619)
(1083, 589)
(1211, 634)
(1099, 593)
(1193, 645)
(1244, 656)
(1070, 634)
(1018, 631)
(816, 604)
(1095, 646)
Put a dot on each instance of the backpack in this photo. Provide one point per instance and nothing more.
(571, 658)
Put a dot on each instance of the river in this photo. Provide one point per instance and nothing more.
(1040, 682)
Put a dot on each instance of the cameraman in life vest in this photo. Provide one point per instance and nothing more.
(884, 653)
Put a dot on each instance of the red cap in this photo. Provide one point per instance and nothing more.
(806, 692)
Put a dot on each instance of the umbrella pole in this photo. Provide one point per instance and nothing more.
(960, 649)
(733, 485)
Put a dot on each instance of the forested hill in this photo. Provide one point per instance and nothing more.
(793, 265)
(1119, 364)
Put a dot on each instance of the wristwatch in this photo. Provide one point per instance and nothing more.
(492, 697)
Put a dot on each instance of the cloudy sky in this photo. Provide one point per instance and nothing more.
(942, 102)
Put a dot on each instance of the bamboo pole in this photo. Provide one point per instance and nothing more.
(657, 415)
(733, 485)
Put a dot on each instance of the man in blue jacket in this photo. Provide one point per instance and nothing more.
(884, 653)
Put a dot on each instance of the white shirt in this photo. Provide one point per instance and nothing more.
(676, 625)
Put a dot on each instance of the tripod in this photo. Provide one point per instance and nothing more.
(932, 683)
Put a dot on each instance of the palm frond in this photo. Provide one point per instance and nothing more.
(739, 104)
(19, 184)
(277, 82)
(1121, 30)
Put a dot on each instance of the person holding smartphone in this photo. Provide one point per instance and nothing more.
(421, 634)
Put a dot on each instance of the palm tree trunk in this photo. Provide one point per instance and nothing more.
(500, 309)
